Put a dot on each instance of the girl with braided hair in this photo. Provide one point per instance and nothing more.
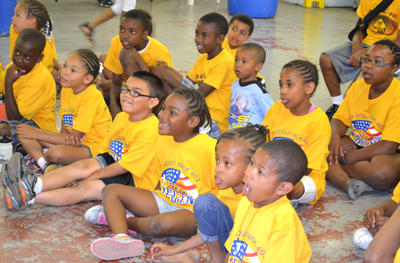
(33, 14)
(295, 118)
(184, 166)
(368, 158)
(83, 112)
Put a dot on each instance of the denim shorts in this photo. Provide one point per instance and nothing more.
(13, 128)
(164, 207)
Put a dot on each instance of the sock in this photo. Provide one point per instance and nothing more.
(38, 188)
(337, 99)
(356, 187)
(41, 162)
(121, 236)
(32, 201)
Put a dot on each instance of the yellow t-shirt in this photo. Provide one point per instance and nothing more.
(230, 199)
(396, 194)
(86, 112)
(49, 52)
(225, 45)
(218, 73)
(383, 26)
(311, 131)
(132, 145)
(185, 170)
(397, 257)
(272, 233)
(154, 51)
(371, 120)
(35, 95)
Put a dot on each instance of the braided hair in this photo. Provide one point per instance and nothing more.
(307, 70)
(252, 134)
(90, 60)
(37, 10)
(196, 106)
(393, 48)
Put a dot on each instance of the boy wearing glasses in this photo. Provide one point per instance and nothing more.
(368, 158)
(342, 64)
(125, 157)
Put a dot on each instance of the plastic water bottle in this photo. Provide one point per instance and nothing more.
(6, 149)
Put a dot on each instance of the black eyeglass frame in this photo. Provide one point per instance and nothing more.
(374, 62)
(134, 93)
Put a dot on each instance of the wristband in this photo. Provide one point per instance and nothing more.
(343, 158)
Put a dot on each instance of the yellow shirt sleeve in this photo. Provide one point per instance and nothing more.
(396, 194)
(112, 62)
(397, 257)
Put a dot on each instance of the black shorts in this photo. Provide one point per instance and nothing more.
(105, 159)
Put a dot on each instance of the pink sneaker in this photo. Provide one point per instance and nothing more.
(95, 215)
(117, 247)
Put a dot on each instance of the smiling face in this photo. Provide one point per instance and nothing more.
(238, 33)
(246, 67)
(140, 105)
(131, 33)
(206, 38)
(294, 92)
(74, 74)
(20, 20)
(375, 74)
(231, 164)
(175, 119)
(261, 181)
(25, 56)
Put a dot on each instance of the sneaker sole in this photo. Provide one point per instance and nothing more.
(111, 249)
(14, 175)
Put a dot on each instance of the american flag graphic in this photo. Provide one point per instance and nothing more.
(68, 121)
(361, 125)
(116, 150)
(238, 249)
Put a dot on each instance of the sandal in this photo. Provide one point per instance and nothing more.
(88, 35)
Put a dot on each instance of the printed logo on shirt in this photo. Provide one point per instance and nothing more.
(383, 25)
(240, 250)
(240, 110)
(115, 150)
(364, 133)
(177, 187)
(68, 120)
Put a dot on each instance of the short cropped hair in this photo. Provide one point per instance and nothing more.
(290, 159)
(260, 55)
(219, 21)
(244, 19)
(33, 37)
(154, 83)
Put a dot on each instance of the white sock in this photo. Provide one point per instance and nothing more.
(337, 99)
(38, 188)
(121, 235)
(32, 201)
(41, 162)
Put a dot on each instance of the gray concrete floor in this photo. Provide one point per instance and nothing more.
(48, 234)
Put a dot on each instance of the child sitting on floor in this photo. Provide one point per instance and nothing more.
(126, 154)
(241, 27)
(267, 228)
(85, 116)
(215, 214)
(295, 118)
(33, 14)
(368, 158)
(185, 165)
(30, 93)
(213, 70)
(131, 51)
(250, 100)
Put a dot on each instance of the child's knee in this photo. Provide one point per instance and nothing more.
(108, 190)
(325, 61)
(383, 179)
(5, 129)
(53, 155)
(160, 227)
(102, 58)
(204, 201)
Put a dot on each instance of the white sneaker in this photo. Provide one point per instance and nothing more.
(362, 238)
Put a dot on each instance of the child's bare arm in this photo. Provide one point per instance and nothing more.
(206, 89)
(12, 74)
(336, 150)
(384, 210)
(367, 153)
(168, 75)
(158, 250)
(386, 242)
(25, 131)
(109, 171)
(114, 94)
(357, 48)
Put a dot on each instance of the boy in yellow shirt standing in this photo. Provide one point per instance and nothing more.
(267, 228)
(213, 71)
(126, 155)
(30, 93)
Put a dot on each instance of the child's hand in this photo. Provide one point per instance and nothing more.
(162, 63)
(159, 70)
(73, 141)
(157, 250)
(372, 215)
(335, 149)
(13, 73)
(25, 131)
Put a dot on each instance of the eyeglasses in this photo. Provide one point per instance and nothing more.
(375, 63)
(134, 93)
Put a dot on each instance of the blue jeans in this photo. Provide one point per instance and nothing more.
(213, 219)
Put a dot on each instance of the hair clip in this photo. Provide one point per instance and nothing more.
(101, 68)
(205, 128)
